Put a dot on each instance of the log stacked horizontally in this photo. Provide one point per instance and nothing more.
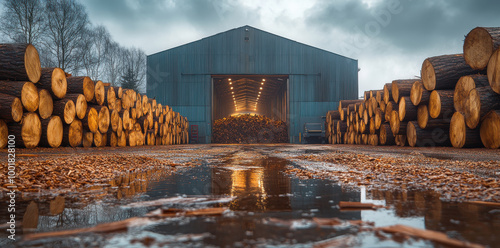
(43, 107)
(456, 102)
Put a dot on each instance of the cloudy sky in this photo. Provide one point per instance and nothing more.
(389, 38)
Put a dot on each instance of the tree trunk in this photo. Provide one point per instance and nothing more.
(386, 137)
(11, 108)
(490, 130)
(494, 71)
(45, 105)
(461, 135)
(54, 80)
(441, 104)
(28, 132)
(27, 91)
(88, 139)
(52, 132)
(91, 120)
(73, 134)
(4, 134)
(65, 108)
(80, 104)
(463, 87)
(19, 62)
(400, 88)
(479, 102)
(428, 137)
(479, 45)
(388, 93)
(443, 72)
(419, 95)
(81, 85)
(406, 110)
(99, 93)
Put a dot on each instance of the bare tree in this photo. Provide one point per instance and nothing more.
(67, 21)
(95, 49)
(114, 63)
(23, 20)
(135, 59)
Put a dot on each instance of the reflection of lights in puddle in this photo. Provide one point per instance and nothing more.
(241, 167)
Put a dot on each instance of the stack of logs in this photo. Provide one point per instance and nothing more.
(455, 102)
(248, 128)
(49, 108)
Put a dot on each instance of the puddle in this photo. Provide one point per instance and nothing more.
(266, 207)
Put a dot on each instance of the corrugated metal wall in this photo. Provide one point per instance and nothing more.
(318, 79)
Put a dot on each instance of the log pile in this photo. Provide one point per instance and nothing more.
(45, 107)
(249, 129)
(456, 102)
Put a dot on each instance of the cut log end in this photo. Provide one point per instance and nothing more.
(490, 130)
(75, 133)
(473, 109)
(32, 64)
(422, 116)
(59, 84)
(30, 97)
(17, 110)
(457, 130)
(494, 71)
(478, 47)
(46, 105)
(4, 134)
(99, 92)
(31, 130)
(104, 119)
(54, 132)
(428, 75)
(69, 112)
(434, 104)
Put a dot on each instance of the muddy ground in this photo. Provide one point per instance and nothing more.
(397, 177)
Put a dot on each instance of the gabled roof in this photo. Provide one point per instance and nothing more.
(255, 29)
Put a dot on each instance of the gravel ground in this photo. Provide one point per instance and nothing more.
(457, 174)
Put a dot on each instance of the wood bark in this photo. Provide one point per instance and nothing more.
(463, 87)
(65, 108)
(19, 62)
(11, 108)
(461, 135)
(443, 72)
(419, 95)
(441, 104)
(27, 91)
(45, 104)
(400, 88)
(52, 132)
(479, 45)
(426, 137)
(73, 134)
(29, 132)
(54, 80)
(494, 71)
(406, 110)
(4, 134)
(81, 85)
(479, 102)
(490, 130)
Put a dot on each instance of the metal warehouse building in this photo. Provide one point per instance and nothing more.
(247, 70)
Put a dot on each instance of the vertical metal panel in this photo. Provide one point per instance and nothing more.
(318, 79)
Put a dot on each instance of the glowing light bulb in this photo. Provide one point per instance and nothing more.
(231, 87)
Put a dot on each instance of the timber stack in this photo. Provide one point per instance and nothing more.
(455, 102)
(43, 107)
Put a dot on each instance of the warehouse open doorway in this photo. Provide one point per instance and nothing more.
(250, 95)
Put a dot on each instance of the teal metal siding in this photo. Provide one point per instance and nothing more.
(181, 77)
